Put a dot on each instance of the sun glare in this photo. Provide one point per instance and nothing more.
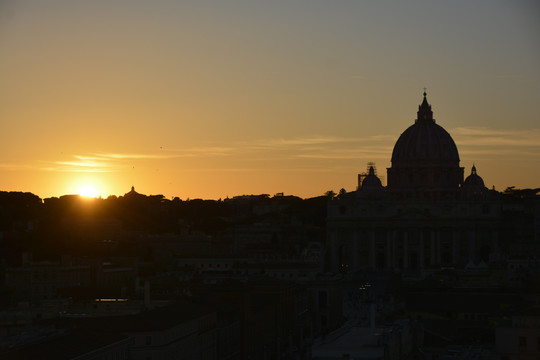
(88, 191)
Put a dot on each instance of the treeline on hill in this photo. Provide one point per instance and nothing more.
(77, 225)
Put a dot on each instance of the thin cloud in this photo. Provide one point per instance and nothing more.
(90, 158)
(498, 152)
(86, 166)
(308, 153)
(75, 169)
(476, 136)
(358, 156)
(113, 156)
(249, 169)
(207, 151)
(310, 140)
(356, 152)
(322, 142)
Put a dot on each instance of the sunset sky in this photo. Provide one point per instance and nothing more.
(209, 99)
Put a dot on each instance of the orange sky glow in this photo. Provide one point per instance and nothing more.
(211, 99)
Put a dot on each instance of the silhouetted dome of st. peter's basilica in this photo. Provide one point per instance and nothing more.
(425, 160)
(424, 141)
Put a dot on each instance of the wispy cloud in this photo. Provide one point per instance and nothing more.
(266, 169)
(314, 142)
(94, 163)
(81, 166)
(111, 162)
(314, 147)
(479, 136)
(307, 153)
(203, 151)
(288, 143)
(487, 143)
(118, 156)
(371, 155)
(310, 140)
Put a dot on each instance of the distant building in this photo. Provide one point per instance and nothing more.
(395, 341)
(274, 315)
(181, 330)
(427, 217)
(36, 281)
(518, 337)
(79, 345)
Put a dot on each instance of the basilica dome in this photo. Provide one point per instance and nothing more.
(424, 141)
(425, 160)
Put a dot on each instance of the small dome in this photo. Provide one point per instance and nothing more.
(424, 141)
(474, 180)
(371, 181)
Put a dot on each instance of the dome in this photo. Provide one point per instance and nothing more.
(425, 141)
(474, 180)
(425, 160)
(371, 181)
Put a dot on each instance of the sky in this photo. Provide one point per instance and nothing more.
(213, 99)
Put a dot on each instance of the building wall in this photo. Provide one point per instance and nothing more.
(194, 339)
(389, 234)
(41, 281)
(518, 343)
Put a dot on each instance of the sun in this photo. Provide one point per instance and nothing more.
(88, 191)
(88, 187)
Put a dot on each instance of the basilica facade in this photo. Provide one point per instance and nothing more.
(428, 216)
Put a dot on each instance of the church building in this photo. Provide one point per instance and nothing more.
(427, 217)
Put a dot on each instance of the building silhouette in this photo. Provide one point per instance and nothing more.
(427, 217)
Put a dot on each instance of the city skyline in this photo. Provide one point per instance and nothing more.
(209, 100)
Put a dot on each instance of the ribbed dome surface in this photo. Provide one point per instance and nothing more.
(425, 158)
(425, 140)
